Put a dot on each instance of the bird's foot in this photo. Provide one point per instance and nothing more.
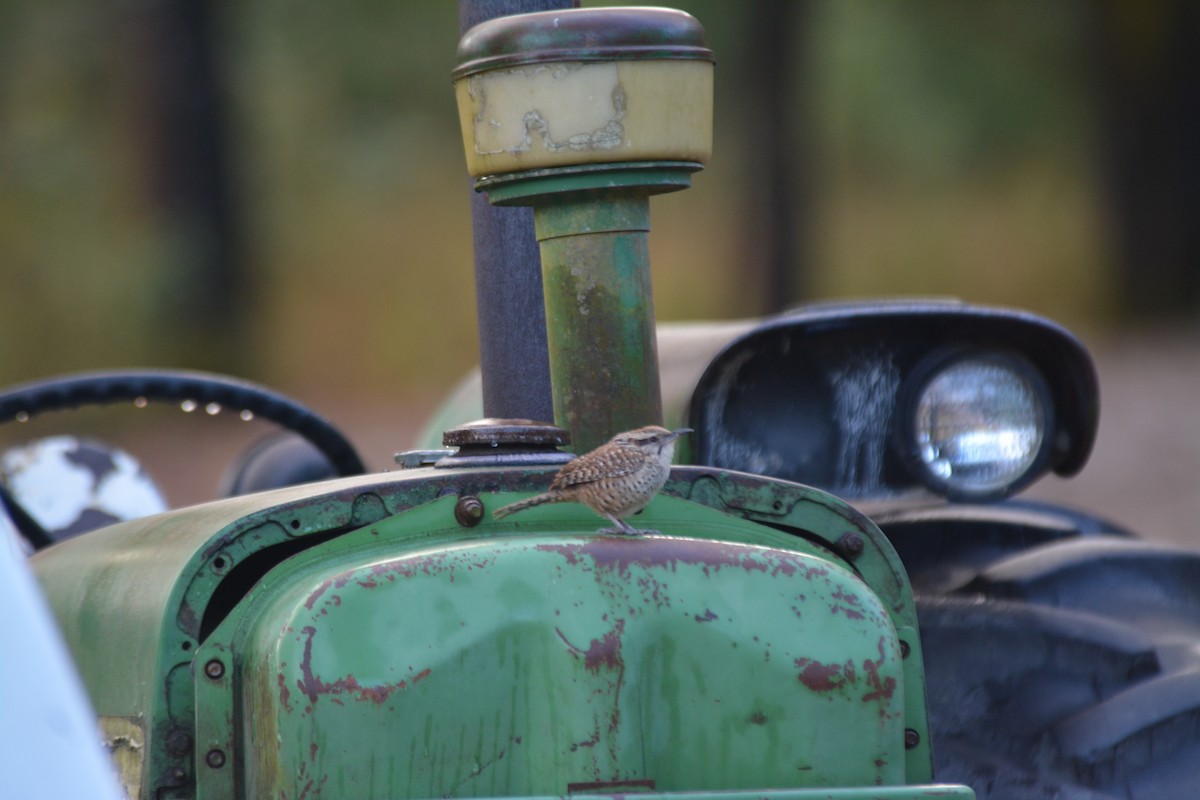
(630, 532)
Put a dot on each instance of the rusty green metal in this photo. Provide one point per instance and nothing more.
(599, 316)
(547, 658)
(592, 224)
(225, 575)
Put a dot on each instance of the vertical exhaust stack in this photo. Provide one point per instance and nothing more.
(508, 276)
(584, 114)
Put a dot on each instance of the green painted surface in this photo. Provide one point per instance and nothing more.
(592, 223)
(928, 792)
(599, 316)
(146, 605)
(385, 666)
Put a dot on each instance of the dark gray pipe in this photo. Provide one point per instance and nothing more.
(513, 357)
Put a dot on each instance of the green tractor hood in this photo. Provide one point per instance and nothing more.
(383, 637)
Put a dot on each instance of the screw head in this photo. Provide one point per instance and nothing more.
(215, 758)
(468, 511)
(911, 738)
(214, 669)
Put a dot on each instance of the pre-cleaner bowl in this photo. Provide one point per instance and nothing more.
(581, 86)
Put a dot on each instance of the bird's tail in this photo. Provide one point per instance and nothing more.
(521, 505)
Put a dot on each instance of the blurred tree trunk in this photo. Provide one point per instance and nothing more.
(1148, 55)
(181, 122)
(775, 132)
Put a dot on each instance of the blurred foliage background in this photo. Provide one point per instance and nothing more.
(276, 188)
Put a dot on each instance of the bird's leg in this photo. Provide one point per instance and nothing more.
(623, 527)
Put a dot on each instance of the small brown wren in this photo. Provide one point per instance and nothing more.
(616, 480)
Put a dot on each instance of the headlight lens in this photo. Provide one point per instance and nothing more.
(980, 425)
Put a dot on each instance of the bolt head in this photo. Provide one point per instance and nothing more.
(215, 758)
(851, 544)
(468, 511)
(214, 669)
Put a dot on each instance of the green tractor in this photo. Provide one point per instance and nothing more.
(834, 596)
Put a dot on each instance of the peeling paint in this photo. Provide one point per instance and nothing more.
(619, 555)
(881, 688)
(312, 686)
(285, 696)
(316, 594)
(821, 678)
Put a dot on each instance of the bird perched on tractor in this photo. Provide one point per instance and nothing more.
(616, 480)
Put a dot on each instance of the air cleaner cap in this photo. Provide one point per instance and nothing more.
(579, 86)
(581, 34)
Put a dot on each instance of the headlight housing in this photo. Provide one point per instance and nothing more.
(976, 425)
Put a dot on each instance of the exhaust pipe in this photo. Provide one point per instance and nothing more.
(513, 362)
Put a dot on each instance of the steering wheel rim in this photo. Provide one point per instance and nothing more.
(109, 387)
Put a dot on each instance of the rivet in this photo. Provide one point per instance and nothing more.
(911, 738)
(214, 669)
(468, 511)
(215, 758)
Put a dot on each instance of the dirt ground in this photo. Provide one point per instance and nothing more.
(1144, 472)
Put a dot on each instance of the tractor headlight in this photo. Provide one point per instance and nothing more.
(977, 425)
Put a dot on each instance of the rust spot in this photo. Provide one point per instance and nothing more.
(588, 743)
(285, 696)
(849, 612)
(849, 599)
(423, 674)
(881, 689)
(312, 752)
(618, 555)
(820, 677)
(758, 718)
(847, 604)
(316, 594)
(308, 784)
(604, 652)
(708, 616)
(610, 787)
(312, 686)
(217, 544)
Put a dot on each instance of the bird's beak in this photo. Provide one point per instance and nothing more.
(675, 434)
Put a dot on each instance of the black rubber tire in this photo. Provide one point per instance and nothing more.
(1062, 668)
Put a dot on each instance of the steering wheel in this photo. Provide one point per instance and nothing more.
(66, 392)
